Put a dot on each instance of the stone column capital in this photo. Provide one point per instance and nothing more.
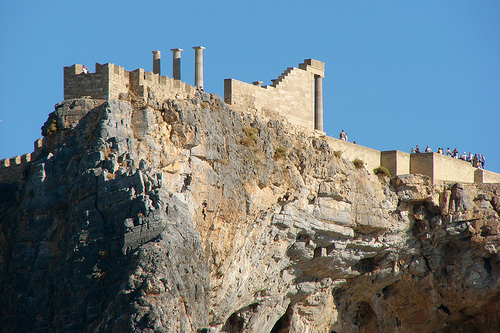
(198, 47)
(176, 50)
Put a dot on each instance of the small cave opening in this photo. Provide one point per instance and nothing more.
(234, 324)
(445, 309)
(366, 319)
(318, 252)
(487, 264)
(283, 324)
(187, 182)
(365, 265)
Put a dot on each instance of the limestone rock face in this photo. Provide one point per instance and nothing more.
(183, 216)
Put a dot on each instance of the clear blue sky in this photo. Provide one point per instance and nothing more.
(398, 73)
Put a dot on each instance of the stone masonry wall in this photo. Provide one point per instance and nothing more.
(118, 79)
(441, 167)
(351, 151)
(452, 169)
(113, 81)
(292, 95)
(397, 162)
(78, 85)
(422, 164)
(12, 169)
(436, 166)
(161, 86)
(485, 176)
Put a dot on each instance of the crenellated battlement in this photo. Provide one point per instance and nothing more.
(12, 169)
(110, 81)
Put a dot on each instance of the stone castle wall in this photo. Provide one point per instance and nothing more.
(485, 176)
(12, 169)
(351, 151)
(397, 162)
(111, 81)
(436, 166)
(442, 168)
(292, 95)
(161, 86)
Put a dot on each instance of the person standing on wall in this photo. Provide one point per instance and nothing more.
(343, 136)
(482, 160)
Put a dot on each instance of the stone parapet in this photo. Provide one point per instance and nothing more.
(111, 81)
(441, 168)
(351, 151)
(485, 176)
(422, 164)
(12, 169)
(397, 162)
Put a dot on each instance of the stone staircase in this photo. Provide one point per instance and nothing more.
(283, 75)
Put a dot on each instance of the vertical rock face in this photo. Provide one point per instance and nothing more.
(182, 215)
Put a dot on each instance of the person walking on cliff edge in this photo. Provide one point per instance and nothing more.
(343, 136)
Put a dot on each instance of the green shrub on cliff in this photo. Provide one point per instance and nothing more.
(251, 136)
(50, 125)
(337, 153)
(280, 152)
(358, 163)
(382, 171)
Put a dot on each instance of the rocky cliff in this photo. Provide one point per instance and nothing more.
(184, 216)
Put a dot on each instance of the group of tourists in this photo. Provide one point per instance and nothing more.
(477, 160)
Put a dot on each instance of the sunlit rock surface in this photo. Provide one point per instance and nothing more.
(184, 216)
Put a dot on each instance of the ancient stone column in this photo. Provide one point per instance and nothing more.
(176, 67)
(156, 62)
(318, 102)
(198, 66)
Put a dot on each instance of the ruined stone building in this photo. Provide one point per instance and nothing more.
(296, 95)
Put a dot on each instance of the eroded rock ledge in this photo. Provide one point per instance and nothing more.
(182, 215)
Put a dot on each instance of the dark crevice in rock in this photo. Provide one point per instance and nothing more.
(365, 265)
(283, 324)
(487, 264)
(444, 308)
(366, 319)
